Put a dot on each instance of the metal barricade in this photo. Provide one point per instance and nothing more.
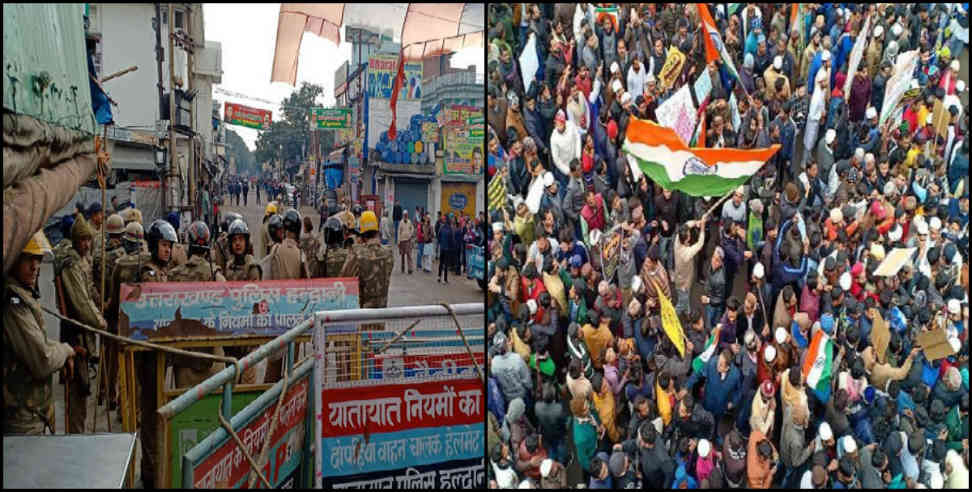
(376, 359)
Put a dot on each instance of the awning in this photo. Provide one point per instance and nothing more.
(424, 30)
(460, 178)
(423, 177)
(134, 159)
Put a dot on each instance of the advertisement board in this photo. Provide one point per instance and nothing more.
(392, 365)
(238, 114)
(458, 198)
(396, 407)
(270, 307)
(225, 466)
(331, 118)
(412, 420)
(389, 427)
(463, 140)
(458, 474)
(380, 117)
(462, 155)
(382, 69)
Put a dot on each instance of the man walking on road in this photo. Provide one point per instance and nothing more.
(246, 191)
(405, 232)
(446, 240)
(386, 228)
(397, 217)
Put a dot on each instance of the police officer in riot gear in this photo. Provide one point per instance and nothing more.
(241, 265)
(336, 251)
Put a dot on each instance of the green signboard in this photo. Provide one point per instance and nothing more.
(331, 118)
(477, 129)
(218, 462)
(193, 425)
(238, 114)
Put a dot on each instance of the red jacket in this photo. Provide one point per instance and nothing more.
(595, 216)
(531, 290)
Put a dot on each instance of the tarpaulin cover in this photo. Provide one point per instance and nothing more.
(49, 173)
(424, 30)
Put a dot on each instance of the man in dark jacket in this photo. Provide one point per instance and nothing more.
(574, 199)
(657, 467)
(535, 123)
(723, 386)
(447, 251)
(397, 217)
(552, 418)
(691, 420)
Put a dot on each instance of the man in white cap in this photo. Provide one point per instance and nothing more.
(773, 72)
(735, 209)
(552, 475)
(871, 115)
(565, 145)
(955, 324)
(824, 152)
(760, 286)
(551, 198)
(826, 442)
(818, 102)
(950, 77)
(872, 56)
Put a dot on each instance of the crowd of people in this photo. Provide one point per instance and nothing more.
(443, 242)
(822, 305)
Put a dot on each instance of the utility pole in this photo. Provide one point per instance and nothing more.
(170, 173)
(193, 165)
(316, 153)
(158, 60)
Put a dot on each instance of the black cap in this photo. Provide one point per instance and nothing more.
(830, 263)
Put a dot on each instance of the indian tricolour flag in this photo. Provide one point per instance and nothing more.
(663, 156)
(714, 47)
(710, 347)
(818, 366)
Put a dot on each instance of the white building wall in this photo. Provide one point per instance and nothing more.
(128, 39)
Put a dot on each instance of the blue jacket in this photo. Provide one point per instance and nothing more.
(783, 274)
(495, 401)
(718, 393)
(446, 239)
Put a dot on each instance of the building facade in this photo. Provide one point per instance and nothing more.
(124, 35)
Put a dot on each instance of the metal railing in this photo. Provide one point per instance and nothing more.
(227, 376)
(356, 319)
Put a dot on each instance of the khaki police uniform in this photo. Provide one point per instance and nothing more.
(372, 263)
(79, 302)
(29, 361)
(191, 371)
